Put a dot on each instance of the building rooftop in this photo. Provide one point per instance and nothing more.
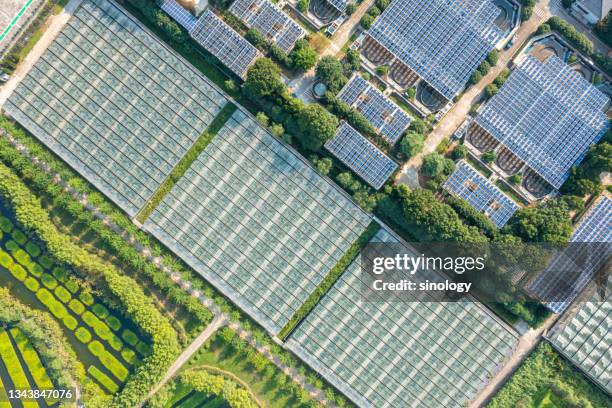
(467, 183)
(255, 220)
(547, 115)
(443, 41)
(385, 115)
(361, 156)
(569, 273)
(270, 20)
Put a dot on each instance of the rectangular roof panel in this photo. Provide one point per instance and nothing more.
(443, 41)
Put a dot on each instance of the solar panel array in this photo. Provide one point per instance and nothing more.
(562, 281)
(257, 222)
(114, 103)
(443, 41)
(386, 116)
(180, 14)
(467, 183)
(270, 20)
(361, 156)
(339, 5)
(547, 115)
(400, 354)
(224, 43)
(585, 339)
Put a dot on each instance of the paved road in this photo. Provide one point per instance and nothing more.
(56, 24)
(218, 322)
(453, 119)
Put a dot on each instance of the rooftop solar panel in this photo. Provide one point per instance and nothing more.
(547, 115)
(361, 156)
(224, 43)
(386, 116)
(270, 20)
(178, 13)
(562, 281)
(339, 5)
(467, 183)
(114, 103)
(253, 218)
(388, 354)
(443, 41)
(585, 334)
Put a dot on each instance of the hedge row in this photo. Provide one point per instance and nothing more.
(30, 356)
(332, 276)
(103, 379)
(138, 306)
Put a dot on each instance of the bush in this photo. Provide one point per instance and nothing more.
(48, 280)
(113, 323)
(72, 285)
(489, 157)
(412, 144)
(86, 298)
(129, 337)
(56, 308)
(45, 262)
(302, 5)
(32, 249)
(367, 21)
(515, 179)
(98, 326)
(59, 274)
(255, 37)
(5, 224)
(129, 356)
(83, 335)
(460, 152)
(103, 379)
(19, 237)
(76, 306)
(303, 56)
(143, 348)
(115, 343)
(70, 322)
(100, 311)
(433, 164)
(18, 272)
(63, 294)
(32, 284)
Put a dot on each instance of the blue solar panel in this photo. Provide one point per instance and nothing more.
(361, 156)
(387, 117)
(224, 43)
(443, 41)
(178, 13)
(270, 20)
(563, 281)
(469, 184)
(339, 5)
(547, 115)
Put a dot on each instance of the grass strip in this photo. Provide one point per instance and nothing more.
(183, 165)
(343, 263)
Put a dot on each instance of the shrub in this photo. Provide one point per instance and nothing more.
(515, 179)
(96, 348)
(63, 294)
(115, 343)
(22, 257)
(100, 311)
(46, 262)
(128, 355)
(32, 284)
(5, 224)
(19, 237)
(98, 326)
(5, 259)
(48, 280)
(255, 37)
(367, 21)
(32, 249)
(86, 298)
(143, 348)
(412, 144)
(59, 274)
(489, 157)
(70, 322)
(83, 335)
(56, 308)
(11, 246)
(113, 323)
(103, 379)
(302, 5)
(433, 164)
(460, 152)
(129, 337)
(76, 306)
(18, 272)
(72, 285)
(303, 56)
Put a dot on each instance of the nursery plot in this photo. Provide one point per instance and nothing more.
(115, 103)
(108, 341)
(257, 221)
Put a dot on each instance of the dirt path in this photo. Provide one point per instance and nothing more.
(55, 24)
(218, 322)
(527, 343)
(459, 111)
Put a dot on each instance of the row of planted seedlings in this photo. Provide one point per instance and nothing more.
(15, 348)
(110, 339)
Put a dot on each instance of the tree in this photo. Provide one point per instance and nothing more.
(476, 77)
(433, 164)
(353, 60)
(351, 8)
(263, 119)
(303, 57)
(316, 126)
(367, 21)
(489, 157)
(331, 73)
(382, 70)
(323, 165)
(263, 79)
(303, 5)
(493, 57)
(491, 90)
(549, 222)
(255, 37)
(573, 202)
(460, 152)
(277, 130)
(515, 179)
(604, 29)
(412, 144)
(419, 126)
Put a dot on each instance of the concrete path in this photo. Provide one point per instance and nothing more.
(527, 343)
(218, 322)
(55, 24)
(458, 113)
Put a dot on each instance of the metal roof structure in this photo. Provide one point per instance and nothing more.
(585, 337)
(270, 20)
(467, 183)
(114, 103)
(255, 220)
(361, 156)
(385, 115)
(382, 353)
(339, 5)
(547, 115)
(443, 41)
(569, 273)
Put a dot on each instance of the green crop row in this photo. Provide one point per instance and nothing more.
(103, 379)
(108, 360)
(13, 365)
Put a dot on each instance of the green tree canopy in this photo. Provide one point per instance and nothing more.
(263, 79)
(331, 72)
(316, 126)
